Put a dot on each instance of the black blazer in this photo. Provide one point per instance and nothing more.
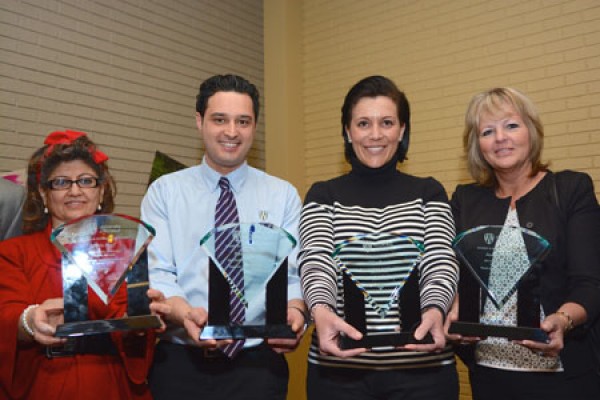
(563, 209)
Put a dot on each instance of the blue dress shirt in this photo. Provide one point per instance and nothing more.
(181, 207)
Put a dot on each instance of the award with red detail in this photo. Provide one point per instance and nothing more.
(101, 252)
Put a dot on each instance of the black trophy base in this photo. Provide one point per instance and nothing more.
(508, 332)
(387, 339)
(95, 327)
(239, 332)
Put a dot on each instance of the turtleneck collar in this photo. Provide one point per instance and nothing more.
(362, 171)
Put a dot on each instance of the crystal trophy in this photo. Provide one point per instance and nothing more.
(497, 264)
(264, 250)
(381, 289)
(101, 252)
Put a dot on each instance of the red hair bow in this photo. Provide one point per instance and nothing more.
(68, 137)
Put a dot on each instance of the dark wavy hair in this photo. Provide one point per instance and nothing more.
(374, 86)
(41, 166)
(226, 83)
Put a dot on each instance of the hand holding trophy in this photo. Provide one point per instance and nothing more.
(253, 274)
(102, 251)
(381, 287)
(486, 277)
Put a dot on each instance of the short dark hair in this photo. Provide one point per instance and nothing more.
(374, 86)
(226, 83)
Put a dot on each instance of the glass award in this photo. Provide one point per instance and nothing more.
(381, 289)
(264, 250)
(497, 264)
(101, 252)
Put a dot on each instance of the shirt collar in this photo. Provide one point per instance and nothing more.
(236, 178)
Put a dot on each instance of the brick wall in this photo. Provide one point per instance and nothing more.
(125, 71)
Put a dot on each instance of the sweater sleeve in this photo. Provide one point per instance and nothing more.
(317, 269)
(439, 267)
(578, 202)
(15, 296)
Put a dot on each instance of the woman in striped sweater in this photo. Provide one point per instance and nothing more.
(376, 198)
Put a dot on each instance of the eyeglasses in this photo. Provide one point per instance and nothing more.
(87, 182)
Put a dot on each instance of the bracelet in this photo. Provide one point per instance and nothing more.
(24, 322)
(570, 324)
(304, 315)
(319, 305)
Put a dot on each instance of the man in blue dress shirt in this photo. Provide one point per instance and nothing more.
(181, 207)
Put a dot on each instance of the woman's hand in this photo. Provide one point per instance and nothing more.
(555, 330)
(556, 325)
(431, 322)
(43, 320)
(329, 329)
(456, 338)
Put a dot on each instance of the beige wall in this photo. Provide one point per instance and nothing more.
(284, 147)
(126, 72)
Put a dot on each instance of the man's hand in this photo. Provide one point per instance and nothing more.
(297, 321)
(159, 307)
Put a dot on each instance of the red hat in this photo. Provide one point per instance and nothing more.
(68, 137)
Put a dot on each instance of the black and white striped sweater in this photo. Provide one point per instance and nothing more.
(373, 201)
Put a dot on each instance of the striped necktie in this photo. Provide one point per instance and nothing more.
(228, 251)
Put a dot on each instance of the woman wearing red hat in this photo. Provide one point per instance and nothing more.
(67, 179)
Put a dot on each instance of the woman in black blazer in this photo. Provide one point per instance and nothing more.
(503, 139)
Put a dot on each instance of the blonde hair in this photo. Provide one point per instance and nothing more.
(495, 101)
